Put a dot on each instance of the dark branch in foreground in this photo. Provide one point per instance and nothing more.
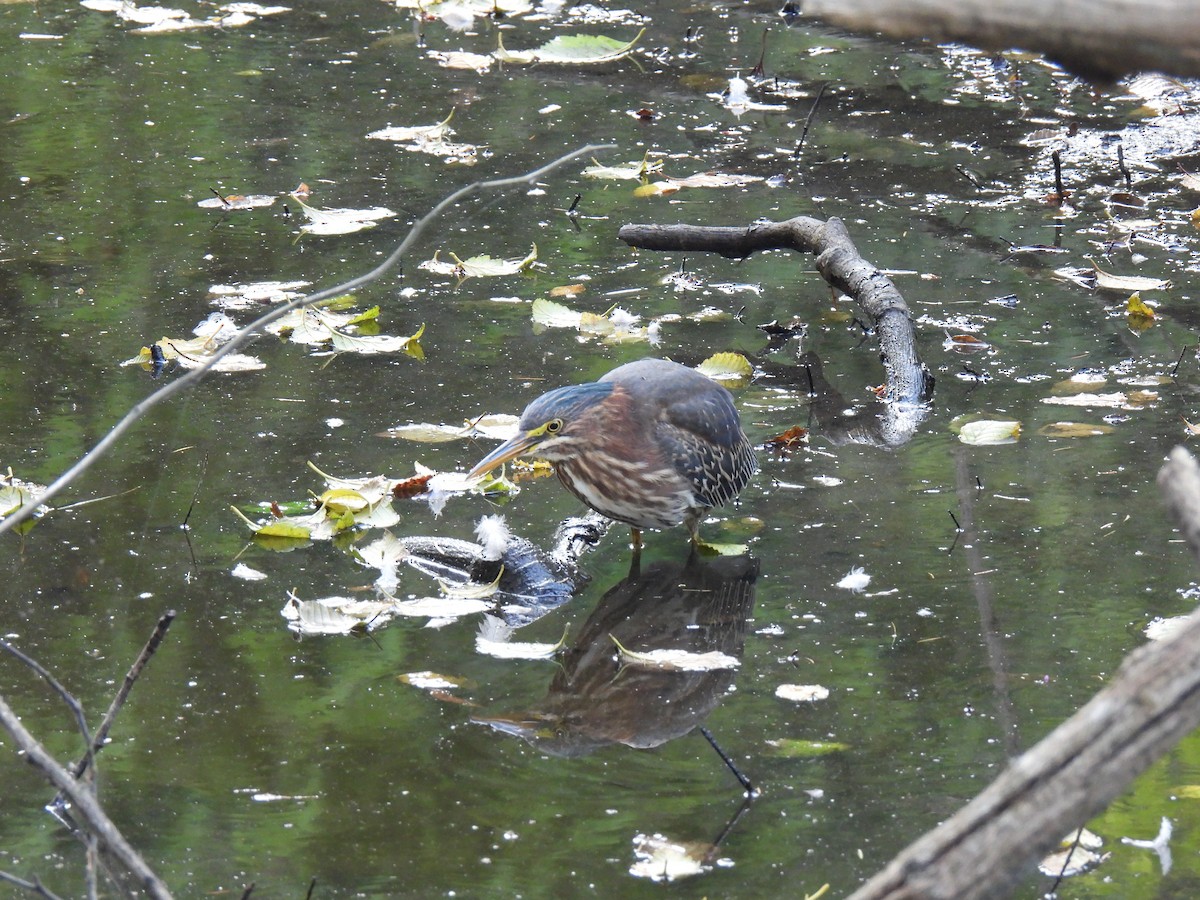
(1077, 770)
(908, 380)
(87, 807)
(1101, 39)
(98, 832)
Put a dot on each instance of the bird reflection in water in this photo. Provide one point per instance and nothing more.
(595, 700)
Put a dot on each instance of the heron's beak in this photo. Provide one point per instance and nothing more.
(510, 449)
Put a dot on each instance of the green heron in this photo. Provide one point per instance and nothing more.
(653, 444)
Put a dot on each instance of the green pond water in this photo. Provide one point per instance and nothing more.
(248, 755)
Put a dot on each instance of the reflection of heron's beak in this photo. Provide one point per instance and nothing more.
(510, 449)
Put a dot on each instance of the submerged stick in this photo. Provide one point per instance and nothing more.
(194, 375)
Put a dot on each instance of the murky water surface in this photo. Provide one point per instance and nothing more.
(246, 755)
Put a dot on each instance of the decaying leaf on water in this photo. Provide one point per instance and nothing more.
(572, 49)
(614, 326)
(460, 15)
(246, 573)
(432, 681)
(802, 693)
(431, 139)
(1126, 284)
(789, 441)
(1074, 857)
(341, 221)
(1113, 400)
(481, 266)
(501, 426)
(495, 639)
(965, 343)
(659, 858)
(634, 171)
(1081, 382)
(255, 294)
(1074, 429)
(335, 615)
(462, 59)
(717, 548)
(676, 660)
(471, 590)
(414, 133)
(368, 344)
(440, 607)
(699, 180)
(321, 325)
(231, 202)
(730, 369)
(1140, 314)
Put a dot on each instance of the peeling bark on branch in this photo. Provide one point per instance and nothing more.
(839, 263)
(1077, 770)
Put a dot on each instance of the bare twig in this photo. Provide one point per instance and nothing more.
(101, 736)
(67, 697)
(193, 375)
(34, 886)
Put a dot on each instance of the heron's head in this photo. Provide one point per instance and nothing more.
(556, 426)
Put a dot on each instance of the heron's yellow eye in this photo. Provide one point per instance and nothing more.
(554, 426)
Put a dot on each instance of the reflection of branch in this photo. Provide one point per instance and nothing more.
(1071, 775)
(839, 263)
(193, 375)
(981, 586)
(86, 805)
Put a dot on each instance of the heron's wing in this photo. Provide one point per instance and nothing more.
(704, 440)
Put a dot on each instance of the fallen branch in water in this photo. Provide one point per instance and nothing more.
(839, 263)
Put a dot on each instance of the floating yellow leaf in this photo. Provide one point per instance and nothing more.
(730, 369)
